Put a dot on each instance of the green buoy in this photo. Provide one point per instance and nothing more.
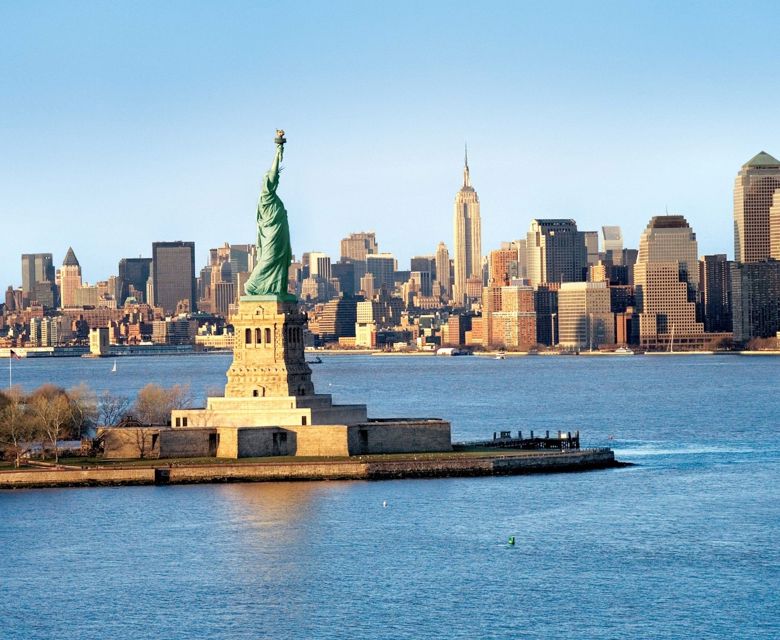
(511, 541)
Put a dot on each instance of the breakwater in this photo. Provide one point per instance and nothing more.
(364, 468)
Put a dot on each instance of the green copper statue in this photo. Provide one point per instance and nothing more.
(274, 253)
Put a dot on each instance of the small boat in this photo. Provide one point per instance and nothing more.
(624, 351)
(113, 369)
(500, 356)
(316, 360)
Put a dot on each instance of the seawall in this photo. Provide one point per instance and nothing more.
(463, 465)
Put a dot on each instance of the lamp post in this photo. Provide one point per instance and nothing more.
(552, 329)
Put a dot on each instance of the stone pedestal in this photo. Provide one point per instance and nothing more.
(270, 407)
(268, 356)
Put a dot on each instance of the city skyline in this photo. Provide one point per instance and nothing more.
(101, 133)
(400, 256)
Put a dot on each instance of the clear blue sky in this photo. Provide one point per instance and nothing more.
(125, 123)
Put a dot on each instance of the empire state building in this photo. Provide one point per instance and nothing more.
(468, 236)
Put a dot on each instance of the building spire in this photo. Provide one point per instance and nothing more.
(466, 177)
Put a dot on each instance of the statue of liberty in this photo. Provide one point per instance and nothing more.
(274, 253)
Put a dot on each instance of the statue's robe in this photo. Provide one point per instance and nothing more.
(274, 253)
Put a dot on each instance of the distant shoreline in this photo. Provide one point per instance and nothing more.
(36, 355)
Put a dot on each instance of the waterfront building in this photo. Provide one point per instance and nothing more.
(612, 244)
(546, 307)
(382, 266)
(173, 275)
(69, 279)
(715, 292)
(49, 331)
(556, 252)
(453, 332)
(756, 231)
(36, 267)
(337, 319)
(467, 245)
(509, 318)
(176, 331)
(585, 319)
(443, 271)
(755, 300)
(666, 276)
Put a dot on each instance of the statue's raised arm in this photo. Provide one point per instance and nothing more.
(274, 253)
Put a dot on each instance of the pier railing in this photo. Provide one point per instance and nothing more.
(505, 440)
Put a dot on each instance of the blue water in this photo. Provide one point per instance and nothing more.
(682, 545)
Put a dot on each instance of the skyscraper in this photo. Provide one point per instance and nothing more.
(715, 292)
(556, 252)
(585, 318)
(612, 244)
(666, 276)
(133, 272)
(443, 270)
(591, 239)
(36, 267)
(319, 266)
(355, 247)
(468, 236)
(756, 300)
(381, 266)
(69, 279)
(173, 275)
(757, 182)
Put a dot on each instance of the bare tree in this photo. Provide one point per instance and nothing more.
(154, 404)
(52, 414)
(17, 429)
(83, 404)
(144, 439)
(111, 408)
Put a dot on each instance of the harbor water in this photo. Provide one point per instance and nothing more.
(680, 545)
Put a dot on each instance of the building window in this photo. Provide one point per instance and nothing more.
(267, 336)
(258, 336)
(184, 422)
(303, 420)
(178, 422)
(248, 336)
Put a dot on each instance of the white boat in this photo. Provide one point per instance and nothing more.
(500, 356)
(113, 369)
(624, 351)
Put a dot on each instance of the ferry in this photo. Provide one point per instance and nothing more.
(623, 351)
